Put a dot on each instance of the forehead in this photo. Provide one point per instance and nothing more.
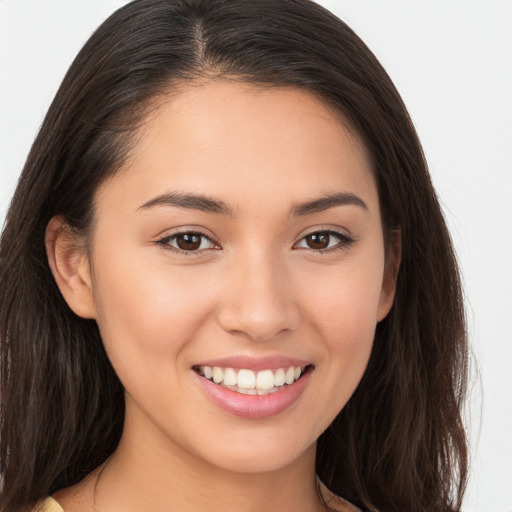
(226, 138)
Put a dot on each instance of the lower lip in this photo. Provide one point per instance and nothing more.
(254, 406)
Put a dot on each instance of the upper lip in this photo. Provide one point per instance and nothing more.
(255, 363)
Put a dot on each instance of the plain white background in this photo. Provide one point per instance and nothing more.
(452, 62)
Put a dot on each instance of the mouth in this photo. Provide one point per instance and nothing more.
(249, 382)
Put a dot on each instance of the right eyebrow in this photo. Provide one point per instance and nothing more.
(329, 201)
(189, 202)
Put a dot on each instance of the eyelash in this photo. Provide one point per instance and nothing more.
(344, 243)
(165, 243)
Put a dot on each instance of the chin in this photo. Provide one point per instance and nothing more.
(260, 456)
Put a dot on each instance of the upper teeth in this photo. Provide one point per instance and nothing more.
(244, 379)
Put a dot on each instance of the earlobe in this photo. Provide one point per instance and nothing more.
(392, 266)
(69, 263)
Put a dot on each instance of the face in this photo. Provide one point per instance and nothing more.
(238, 273)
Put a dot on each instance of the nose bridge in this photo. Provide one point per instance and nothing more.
(257, 300)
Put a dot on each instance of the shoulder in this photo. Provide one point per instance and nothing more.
(48, 505)
(335, 503)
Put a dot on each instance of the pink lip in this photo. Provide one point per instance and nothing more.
(255, 363)
(254, 406)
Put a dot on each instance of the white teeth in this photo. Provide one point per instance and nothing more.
(265, 380)
(246, 379)
(290, 375)
(217, 374)
(230, 377)
(279, 377)
(252, 383)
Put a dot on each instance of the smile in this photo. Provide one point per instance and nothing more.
(249, 382)
(254, 388)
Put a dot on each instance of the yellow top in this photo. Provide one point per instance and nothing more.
(48, 505)
(333, 502)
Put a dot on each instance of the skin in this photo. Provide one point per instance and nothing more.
(258, 289)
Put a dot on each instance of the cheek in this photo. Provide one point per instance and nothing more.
(348, 331)
(348, 335)
(344, 316)
(146, 314)
(346, 302)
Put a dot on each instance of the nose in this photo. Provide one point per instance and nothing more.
(258, 302)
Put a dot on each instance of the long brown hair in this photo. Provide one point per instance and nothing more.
(399, 444)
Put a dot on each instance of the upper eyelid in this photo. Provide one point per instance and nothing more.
(178, 233)
(332, 232)
(169, 233)
(323, 230)
(326, 229)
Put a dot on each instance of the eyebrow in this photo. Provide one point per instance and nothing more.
(189, 202)
(326, 202)
(209, 205)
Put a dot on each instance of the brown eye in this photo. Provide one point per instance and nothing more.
(188, 241)
(318, 240)
(324, 241)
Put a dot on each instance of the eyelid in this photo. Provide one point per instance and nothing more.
(345, 239)
(163, 241)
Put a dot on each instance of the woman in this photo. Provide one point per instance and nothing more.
(226, 281)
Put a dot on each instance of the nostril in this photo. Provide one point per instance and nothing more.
(259, 324)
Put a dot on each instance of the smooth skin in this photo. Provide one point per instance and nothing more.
(263, 277)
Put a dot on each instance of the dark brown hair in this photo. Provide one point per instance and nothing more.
(399, 444)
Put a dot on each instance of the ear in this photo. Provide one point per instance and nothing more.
(69, 262)
(391, 268)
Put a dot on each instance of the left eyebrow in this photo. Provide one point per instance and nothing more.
(326, 202)
(189, 202)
